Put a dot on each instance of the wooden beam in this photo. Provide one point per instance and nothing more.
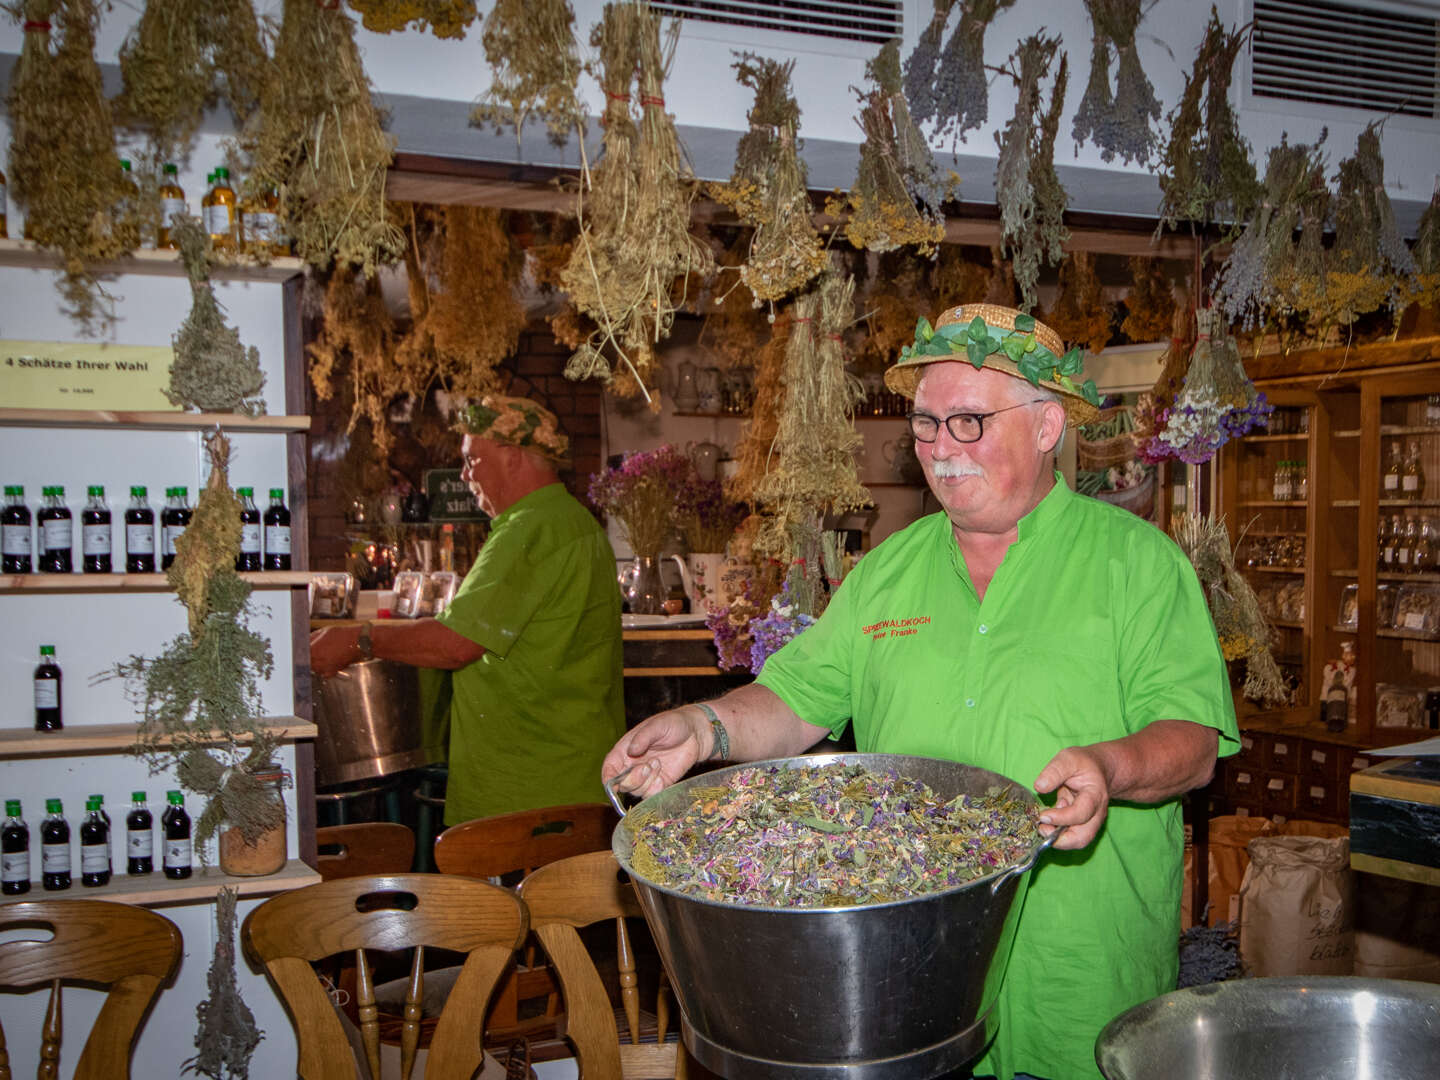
(1301, 364)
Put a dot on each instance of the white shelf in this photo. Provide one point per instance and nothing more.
(115, 738)
(150, 421)
(155, 889)
(90, 583)
(154, 262)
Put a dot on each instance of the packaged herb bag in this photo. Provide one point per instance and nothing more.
(1297, 907)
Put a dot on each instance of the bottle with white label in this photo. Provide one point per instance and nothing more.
(249, 556)
(95, 532)
(218, 213)
(174, 519)
(94, 846)
(176, 823)
(57, 533)
(172, 204)
(1390, 480)
(139, 837)
(47, 692)
(54, 848)
(15, 532)
(139, 534)
(14, 851)
(277, 532)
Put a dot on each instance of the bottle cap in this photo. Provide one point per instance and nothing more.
(137, 796)
(99, 799)
(182, 491)
(52, 806)
(125, 163)
(47, 650)
(138, 492)
(96, 491)
(12, 807)
(277, 493)
(58, 492)
(174, 798)
(170, 169)
(245, 491)
(222, 173)
(92, 803)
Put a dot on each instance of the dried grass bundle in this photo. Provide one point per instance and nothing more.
(318, 139)
(891, 308)
(754, 454)
(1080, 315)
(816, 440)
(1150, 304)
(1427, 254)
(63, 168)
(1206, 174)
(1118, 123)
(950, 86)
(535, 68)
(1369, 264)
(959, 279)
(359, 333)
(767, 189)
(443, 18)
(1032, 201)
(898, 191)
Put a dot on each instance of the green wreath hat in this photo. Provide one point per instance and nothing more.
(519, 422)
(1003, 340)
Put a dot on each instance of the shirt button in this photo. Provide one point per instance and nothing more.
(969, 702)
(984, 629)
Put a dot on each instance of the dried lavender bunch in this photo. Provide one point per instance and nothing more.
(920, 64)
(962, 99)
(1032, 200)
(1118, 124)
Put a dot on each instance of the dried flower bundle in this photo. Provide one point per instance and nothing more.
(754, 453)
(1369, 264)
(1032, 201)
(767, 189)
(898, 191)
(707, 516)
(357, 332)
(889, 312)
(443, 18)
(816, 440)
(1427, 254)
(212, 371)
(1234, 608)
(643, 492)
(63, 168)
(1080, 315)
(735, 328)
(227, 1034)
(1118, 123)
(1150, 304)
(949, 87)
(317, 139)
(535, 68)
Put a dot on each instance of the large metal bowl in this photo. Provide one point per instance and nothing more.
(1318, 1028)
(875, 992)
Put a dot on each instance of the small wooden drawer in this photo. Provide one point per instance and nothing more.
(1243, 784)
(1320, 761)
(1247, 809)
(1282, 754)
(1352, 762)
(1277, 794)
(1252, 750)
(1319, 798)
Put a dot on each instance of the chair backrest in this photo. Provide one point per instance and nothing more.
(128, 950)
(291, 931)
(371, 847)
(520, 842)
(563, 898)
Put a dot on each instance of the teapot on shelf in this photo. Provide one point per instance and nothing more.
(706, 456)
(900, 456)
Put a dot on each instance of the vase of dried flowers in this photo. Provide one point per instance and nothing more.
(642, 493)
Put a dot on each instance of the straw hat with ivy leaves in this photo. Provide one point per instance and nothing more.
(1004, 340)
(517, 421)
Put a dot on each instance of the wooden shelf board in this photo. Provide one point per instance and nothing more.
(151, 261)
(713, 415)
(1348, 433)
(88, 583)
(1347, 573)
(1288, 624)
(698, 634)
(1401, 504)
(1408, 635)
(1290, 436)
(645, 672)
(1345, 504)
(100, 738)
(154, 890)
(1294, 571)
(1412, 429)
(1391, 576)
(1294, 504)
(154, 421)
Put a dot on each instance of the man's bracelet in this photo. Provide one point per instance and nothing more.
(721, 750)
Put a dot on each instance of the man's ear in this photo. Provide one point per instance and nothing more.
(1052, 426)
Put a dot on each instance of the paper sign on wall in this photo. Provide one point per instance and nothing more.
(450, 497)
(85, 375)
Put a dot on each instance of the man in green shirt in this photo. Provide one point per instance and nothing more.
(1027, 630)
(532, 636)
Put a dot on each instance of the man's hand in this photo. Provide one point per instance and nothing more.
(333, 649)
(662, 750)
(1079, 778)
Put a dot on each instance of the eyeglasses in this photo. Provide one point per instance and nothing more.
(964, 427)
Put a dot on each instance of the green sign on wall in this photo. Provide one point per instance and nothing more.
(450, 498)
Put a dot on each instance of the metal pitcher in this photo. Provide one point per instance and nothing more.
(369, 721)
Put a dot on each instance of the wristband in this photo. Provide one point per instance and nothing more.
(721, 749)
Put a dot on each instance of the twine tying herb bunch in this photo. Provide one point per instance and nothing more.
(898, 190)
(199, 700)
(767, 189)
(212, 371)
(443, 18)
(226, 1035)
(1150, 304)
(1032, 201)
(318, 139)
(1118, 123)
(535, 68)
(1080, 313)
(949, 87)
(63, 168)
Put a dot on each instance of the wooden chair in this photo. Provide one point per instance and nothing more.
(378, 847)
(508, 846)
(291, 931)
(564, 898)
(128, 950)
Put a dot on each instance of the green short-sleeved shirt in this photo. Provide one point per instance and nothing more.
(532, 719)
(1093, 626)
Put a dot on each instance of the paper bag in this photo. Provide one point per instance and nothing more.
(1297, 907)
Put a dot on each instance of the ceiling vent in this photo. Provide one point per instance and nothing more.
(874, 21)
(1346, 56)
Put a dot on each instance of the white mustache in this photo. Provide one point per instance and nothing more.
(944, 470)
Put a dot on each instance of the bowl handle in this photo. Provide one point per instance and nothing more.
(1018, 868)
(610, 787)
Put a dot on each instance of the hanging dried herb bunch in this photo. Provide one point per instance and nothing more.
(63, 168)
(443, 18)
(889, 307)
(1080, 315)
(1427, 253)
(535, 68)
(1262, 267)
(950, 86)
(179, 58)
(1032, 202)
(1118, 123)
(898, 191)
(754, 453)
(318, 139)
(1242, 629)
(1206, 174)
(357, 333)
(1150, 304)
(212, 371)
(959, 279)
(816, 440)
(199, 700)
(226, 1036)
(1369, 262)
(767, 189)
